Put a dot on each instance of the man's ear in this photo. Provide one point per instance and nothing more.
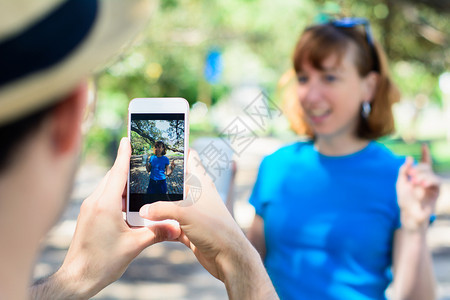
(370, 86)
(67, 117)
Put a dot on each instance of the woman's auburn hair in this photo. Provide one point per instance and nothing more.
(315, 45)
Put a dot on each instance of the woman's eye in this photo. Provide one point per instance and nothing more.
(330, 78)
(302, 78)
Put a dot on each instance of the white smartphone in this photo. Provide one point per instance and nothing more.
(158, 130)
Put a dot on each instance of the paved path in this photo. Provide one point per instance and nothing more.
(140, 176)
(170, 271)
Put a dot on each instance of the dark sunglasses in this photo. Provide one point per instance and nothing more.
(353, 22)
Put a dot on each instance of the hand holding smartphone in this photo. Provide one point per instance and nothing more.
(158, 130)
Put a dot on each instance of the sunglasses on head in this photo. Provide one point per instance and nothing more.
(354, 22)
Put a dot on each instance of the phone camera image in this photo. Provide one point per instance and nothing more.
(157, 160)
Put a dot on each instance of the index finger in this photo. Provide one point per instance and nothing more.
(426, 155)
(119, 171)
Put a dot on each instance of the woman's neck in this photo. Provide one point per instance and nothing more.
(340, 147)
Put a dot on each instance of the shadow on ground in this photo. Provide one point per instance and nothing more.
(139, 176)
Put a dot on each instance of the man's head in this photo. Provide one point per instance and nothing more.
(48, 49)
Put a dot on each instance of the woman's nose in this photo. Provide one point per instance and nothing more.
(310, 92)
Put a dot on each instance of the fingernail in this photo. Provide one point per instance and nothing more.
(171, 235)
(144, 210)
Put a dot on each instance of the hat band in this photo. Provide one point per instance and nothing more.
(48, 41)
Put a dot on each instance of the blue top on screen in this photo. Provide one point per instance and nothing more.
(159, 164)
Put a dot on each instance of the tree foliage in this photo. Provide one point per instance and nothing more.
(256, 39)
(145, 133)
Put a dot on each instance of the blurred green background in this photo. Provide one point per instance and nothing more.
(204, 51)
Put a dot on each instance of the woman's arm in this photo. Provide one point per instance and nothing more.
(169, 168)
(413, 267)
(417, 192)
(256, 236)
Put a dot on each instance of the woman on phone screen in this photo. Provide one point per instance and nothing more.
(328, 222)
(159, 167)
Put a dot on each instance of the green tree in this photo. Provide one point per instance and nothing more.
(146, 133)
(256, 39)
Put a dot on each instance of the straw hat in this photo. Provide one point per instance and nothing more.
(47, 47)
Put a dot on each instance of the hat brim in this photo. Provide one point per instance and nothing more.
(117, 23)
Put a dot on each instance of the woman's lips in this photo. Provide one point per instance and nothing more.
(318, 115)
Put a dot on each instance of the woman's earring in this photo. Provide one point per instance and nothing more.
(366, 109)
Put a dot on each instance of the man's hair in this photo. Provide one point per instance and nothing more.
(14, 133)
(315, 45)
(161, 143)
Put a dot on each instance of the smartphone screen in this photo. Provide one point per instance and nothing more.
(157, 159)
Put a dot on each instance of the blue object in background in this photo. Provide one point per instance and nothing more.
(213, 66)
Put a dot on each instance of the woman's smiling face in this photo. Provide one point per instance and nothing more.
(159, 149)
(331, 97)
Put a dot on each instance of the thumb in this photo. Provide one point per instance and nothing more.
(426, 155)
(161, 210)
(167, 230)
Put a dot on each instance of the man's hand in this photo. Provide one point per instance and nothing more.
(214, 237)
(103, 244)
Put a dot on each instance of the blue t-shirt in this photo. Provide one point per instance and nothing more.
(328, 221)
(158, 171)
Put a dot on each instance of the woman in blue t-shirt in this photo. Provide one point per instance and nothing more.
(159, 167)
(328, 223)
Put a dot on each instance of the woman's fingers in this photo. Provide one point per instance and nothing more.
(426, 155)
